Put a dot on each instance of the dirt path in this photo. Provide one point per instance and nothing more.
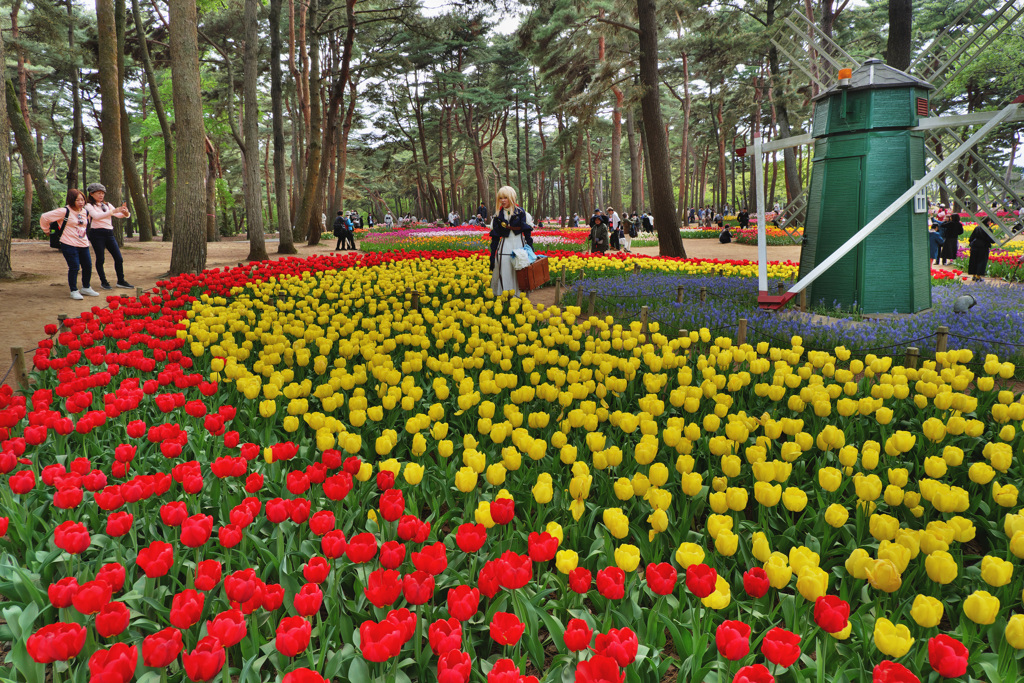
(40, 292)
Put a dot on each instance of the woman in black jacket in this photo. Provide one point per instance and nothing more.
(509, 230)
(951, 231)
(980, 243)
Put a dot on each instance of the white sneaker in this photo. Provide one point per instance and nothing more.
(89, 291)
(76, 295)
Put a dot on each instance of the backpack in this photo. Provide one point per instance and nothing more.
(57, 229)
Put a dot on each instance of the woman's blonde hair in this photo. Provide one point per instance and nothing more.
(505, 191)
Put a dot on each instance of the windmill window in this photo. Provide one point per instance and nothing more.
(922, 106)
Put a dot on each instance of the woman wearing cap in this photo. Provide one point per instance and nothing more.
(506, 234)
(101, 233)
(74, 244)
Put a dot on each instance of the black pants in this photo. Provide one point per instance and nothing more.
(77, 257)
(103, 241)
(615, 239)
(345, 238)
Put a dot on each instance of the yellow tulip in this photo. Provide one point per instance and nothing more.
(857, 563)
(884, 575)
(689, 554)
(627, 557)
(794, 499)
(829, 478)
(892, 639)
(413, 473)
(812, 583)
(566, 560)
(941, 567)
(726, 543)
(778, 570)
(1015, 632)
(981, 607)
(926, 611)
(721, 597)
(996, 571)
(465, 479)
(482, 514)
(883, 527)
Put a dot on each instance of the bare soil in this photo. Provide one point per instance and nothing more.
(39, 291)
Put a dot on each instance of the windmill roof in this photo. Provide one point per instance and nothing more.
(874, 75)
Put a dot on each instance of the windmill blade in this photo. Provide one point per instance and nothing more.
(975, 181)
(810, 50)
(962, 41)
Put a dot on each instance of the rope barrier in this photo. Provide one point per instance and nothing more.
(986, 341)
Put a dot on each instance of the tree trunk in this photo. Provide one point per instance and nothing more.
(5, 187)
(616, 160)
(665, 220)
(188, 253)
(211, 195)
(284, 227)
(141, 214)
(76, 105)
(346, 129)
(634, 162)
(27, 149)
(684, 153)
(250, 130)
(165, 126)
(304, 215)
(897, 48)
(111, 172)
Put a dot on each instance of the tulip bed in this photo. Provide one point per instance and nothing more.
(292, 473)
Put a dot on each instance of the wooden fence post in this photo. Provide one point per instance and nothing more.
(741, 332)
(558, 291)
(18, 363)
(703, 294)
(644, 331)
(563, 276)
(139, 292)
(679, 294)
(941, 338)
(912, 355)
(592, 303)
(782, 288)
(61, 317)
(416, 299)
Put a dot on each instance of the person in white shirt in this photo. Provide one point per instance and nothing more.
(101, 233)
(453, 218)
(614, 221)
(74, 243)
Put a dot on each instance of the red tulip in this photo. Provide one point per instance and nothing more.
(454, 667)
(380, 642)
(514, 570)
(229, 535)
(831, 613)
(732, 638)
(113, 574)
(62, 592)
(947, 656)
(156, 559)
(701, 580)
(661, 578)
(308, 600)
(471, 537)
(241, 585)
(891, 672)
(577, 635)
(56, 642)
(504, 671)
(362, 548)
(433, 559)
(781, 647)
(196, 530)
(333, 544)
(392, 555)
(503, 510)
(161, 648)
(112, 620)
(418, 587)
(228, 627)
(506, 629)
(620, 644)
(411, 528)
(580, 580)
(755, 582)
(292, 636)
(316, 570)
(405, 620)
(71, 537)
(337, 486)
(277, 510)
(755, 673)
(445, 635)
(385, 480)
(206, 661)
(392, 505)
(321, 522)
(599, 669)
(303, 675)
(611, 583)
(541, 546)
(383, 586)
(22, 482)
(489, 580)
(116, 664)
(208, 573)
(273, 597)
(463, 602)
(92, 596)
(187, 608)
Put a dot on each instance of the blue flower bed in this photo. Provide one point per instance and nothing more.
(994, 325)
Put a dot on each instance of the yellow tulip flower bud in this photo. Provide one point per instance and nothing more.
(981, 607)
(892, 639)
(996, 571)
(627, 557)
(689, 554)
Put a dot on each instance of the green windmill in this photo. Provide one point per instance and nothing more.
(865, 157)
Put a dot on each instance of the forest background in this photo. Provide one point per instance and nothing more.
(221, 117)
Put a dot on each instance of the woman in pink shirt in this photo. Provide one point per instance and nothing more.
(101, 233)
(73, 242)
